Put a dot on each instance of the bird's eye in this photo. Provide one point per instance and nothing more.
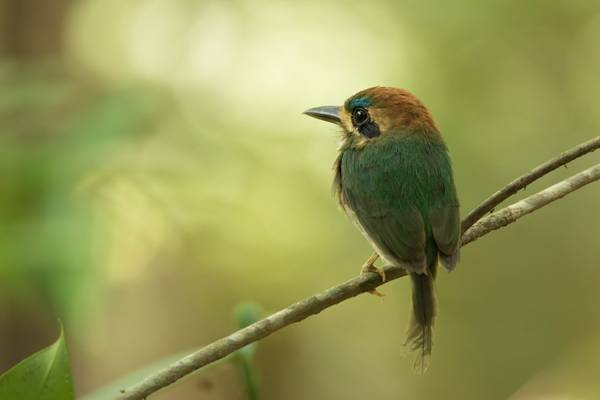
(360, 116)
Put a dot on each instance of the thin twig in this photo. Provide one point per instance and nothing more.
(295, 313)
(521, 208)
(362, 283)
(526, 179)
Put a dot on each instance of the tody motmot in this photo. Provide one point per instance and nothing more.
(393, 177)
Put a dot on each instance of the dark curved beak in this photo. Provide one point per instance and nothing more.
(325, 113)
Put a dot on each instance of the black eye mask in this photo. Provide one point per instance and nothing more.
(362, 120)
(369, 129)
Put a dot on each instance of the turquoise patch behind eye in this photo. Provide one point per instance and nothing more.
(360, 102)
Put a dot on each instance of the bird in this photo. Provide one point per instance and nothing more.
(394, 179)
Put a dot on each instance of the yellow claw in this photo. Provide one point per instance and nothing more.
(376, 292)
(370, 267)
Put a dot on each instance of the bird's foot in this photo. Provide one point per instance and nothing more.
(369, 267)
(376, 292)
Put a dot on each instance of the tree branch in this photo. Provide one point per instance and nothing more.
(369, 281)
(521, 208)
(528, 178)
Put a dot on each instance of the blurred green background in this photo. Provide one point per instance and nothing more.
(155, 171)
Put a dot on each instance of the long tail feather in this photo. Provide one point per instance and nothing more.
(420, 331)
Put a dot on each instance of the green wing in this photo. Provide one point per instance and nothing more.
(445, 228)
(399, 236)
(402, 195)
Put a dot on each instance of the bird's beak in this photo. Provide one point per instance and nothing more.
(326, 113)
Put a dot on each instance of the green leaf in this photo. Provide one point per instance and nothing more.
(250, 377)
(44, 375)
(246, 314)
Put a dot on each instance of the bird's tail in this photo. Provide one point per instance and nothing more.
(420, 331)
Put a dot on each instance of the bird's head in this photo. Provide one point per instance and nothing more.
(376, 112)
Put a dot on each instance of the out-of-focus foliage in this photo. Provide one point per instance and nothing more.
(245, 314)
(155, 170)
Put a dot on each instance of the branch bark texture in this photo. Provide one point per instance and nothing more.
(521, 182)
(521, 208)
(473, 227)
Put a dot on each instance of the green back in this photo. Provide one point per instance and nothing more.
(401, 190)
